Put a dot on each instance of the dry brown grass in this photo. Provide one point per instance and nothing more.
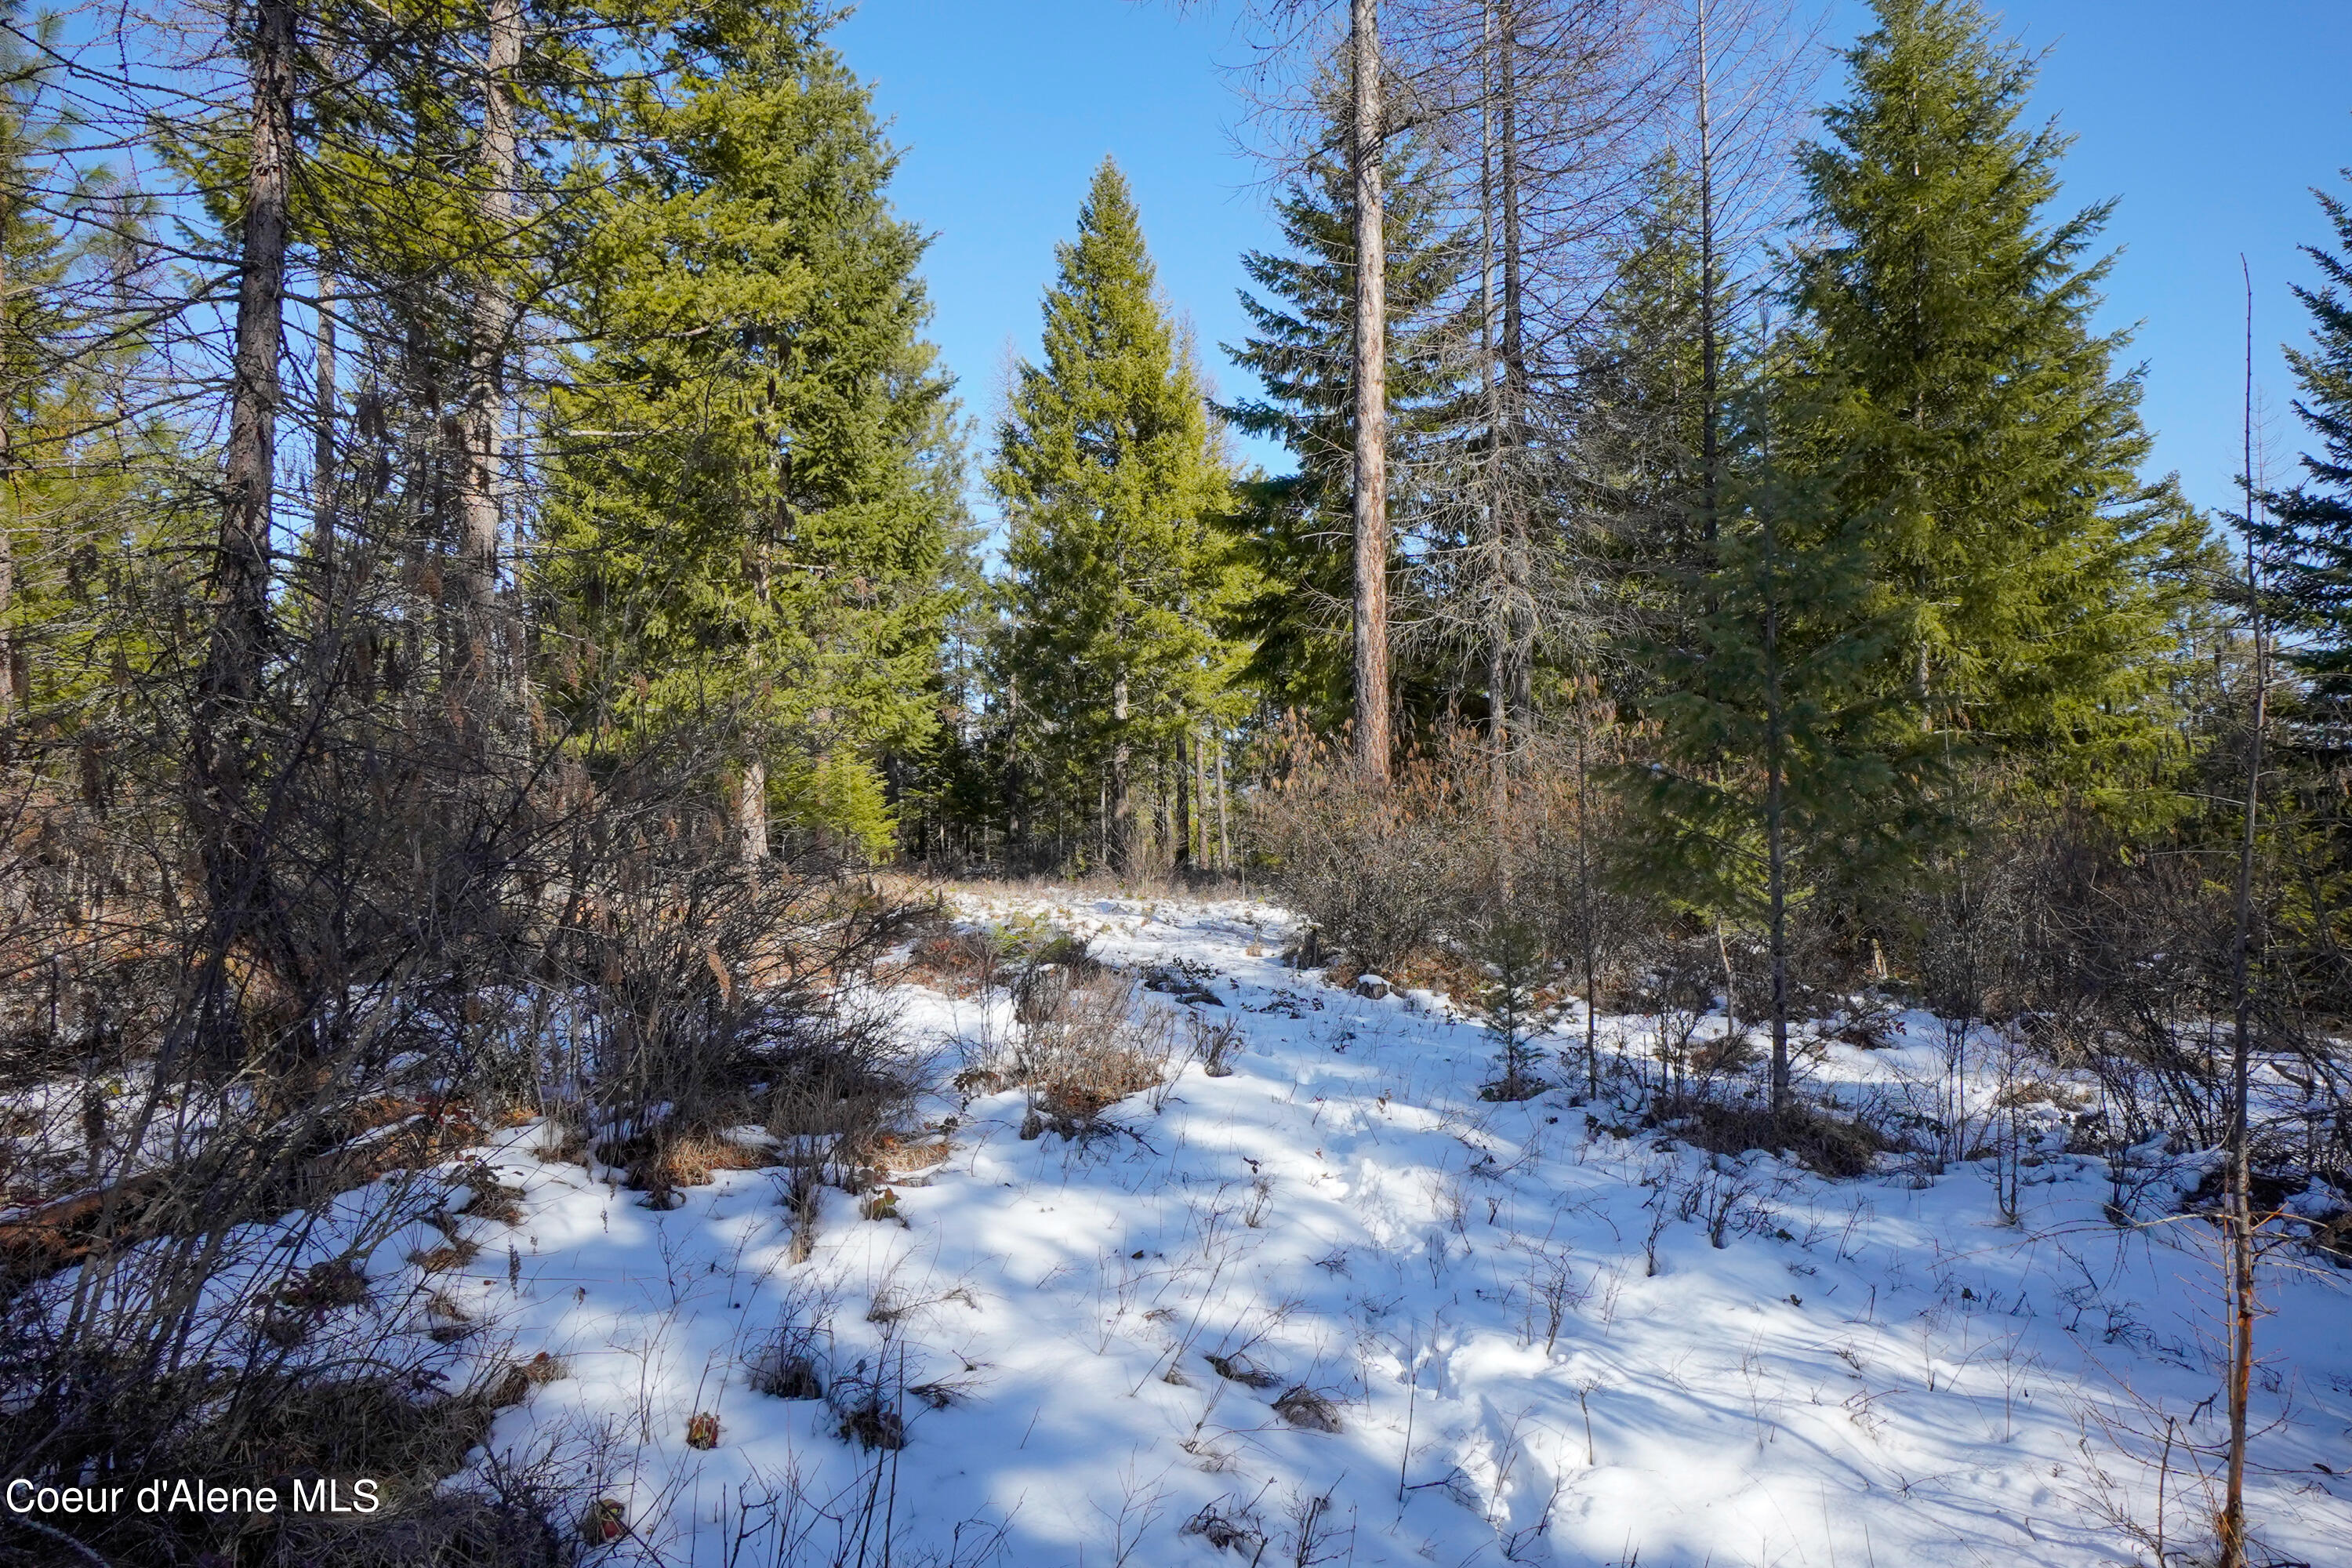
(1826, 1145)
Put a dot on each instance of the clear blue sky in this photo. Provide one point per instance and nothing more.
(2209, 118)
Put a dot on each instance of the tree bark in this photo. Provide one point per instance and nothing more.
(751, 811)
(322, 445)
(1224, 840)
(9, 696)
(229, 682)
(1184, 787)
(1373, 741)
(1710, 440)
(2240, 1221)
(1122, 801)
(487, 324)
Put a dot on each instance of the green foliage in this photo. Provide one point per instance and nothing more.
(1512, 953)
(1777, 740)
(755, 498)
(1117, 577)
(1976, 421)
(82, 582)
(2306, 540)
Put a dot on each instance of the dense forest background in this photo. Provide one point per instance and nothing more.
(491, 596)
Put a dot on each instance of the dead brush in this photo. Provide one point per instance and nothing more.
(1303, 1408)
(1822, 1143)
(492, 1199)
(788, 1363)
(1216, 1046)
(867, 1413)
(1091, 1050)
(1229, 1524)
(672, 1158)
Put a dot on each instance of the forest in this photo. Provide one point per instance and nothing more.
(536, 711)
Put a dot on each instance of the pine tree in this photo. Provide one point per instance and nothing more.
(755, 528)
(64, 442)
(1117, 576)
(1639, 452)
(1780, 765)
(1299, 530)
(2306, 540)
(1980, 424)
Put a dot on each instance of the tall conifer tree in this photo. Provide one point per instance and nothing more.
(1118, 576)
(758, 527)
(1978, 420)
(2307, 538)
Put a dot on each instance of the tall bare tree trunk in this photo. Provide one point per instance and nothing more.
(229, 683)
(2239, 1223)
(1592, 915)
(1374, 739)
(1708, 353)
(487, 328)
(1182, 784)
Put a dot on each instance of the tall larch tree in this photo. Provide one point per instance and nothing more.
(1118, 576)
(749, 525)
(1979, 422)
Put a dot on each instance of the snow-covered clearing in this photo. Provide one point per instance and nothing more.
(1096, 1348)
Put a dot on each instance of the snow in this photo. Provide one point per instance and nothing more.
(1878, 1372)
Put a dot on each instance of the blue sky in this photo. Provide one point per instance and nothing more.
(2209, 119)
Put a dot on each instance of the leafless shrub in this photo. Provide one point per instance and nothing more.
(1216, 1045)
(1229, 1524)
(1089, 1049)
(1302, 1407)
(789, 1363)
(1379, 867)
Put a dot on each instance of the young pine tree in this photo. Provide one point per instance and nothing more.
(749, 521)
(1780, 763)
(1116, 574)
(1977, 421)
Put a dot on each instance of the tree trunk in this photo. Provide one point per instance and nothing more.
(8, 693)
(1225, 841)
(2239, 1222)
(1709, 457)
(1776, 848)
(1184, 786)
(751, 811)
(229, 682)
(487, 327)
(323, 441)
(1592, 919)
(1370, 376)
(1122, 803)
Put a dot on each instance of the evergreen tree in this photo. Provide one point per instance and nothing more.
(755, 503)
(1117, 576)
(1638, 454)
(1780, 763)
(1297, 530)
(2306, 541)
(1979, 425)
(72, 549)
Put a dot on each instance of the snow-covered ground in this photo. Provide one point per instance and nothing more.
(1511, 1318)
